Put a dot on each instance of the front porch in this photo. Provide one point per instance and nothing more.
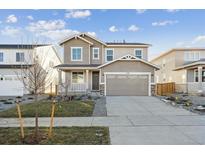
(78, 80)
(195, 76)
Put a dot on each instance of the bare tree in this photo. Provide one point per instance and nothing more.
(35, 78)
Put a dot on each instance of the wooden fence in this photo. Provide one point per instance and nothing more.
(163, 89)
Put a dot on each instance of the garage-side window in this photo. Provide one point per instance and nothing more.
(138, 53)
(109, 55)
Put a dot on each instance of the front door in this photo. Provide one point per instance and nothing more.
(95, 81)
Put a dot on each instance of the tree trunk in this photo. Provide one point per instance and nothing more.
(36, 119)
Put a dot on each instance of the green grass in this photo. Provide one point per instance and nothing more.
(63, 109)
(61, 135)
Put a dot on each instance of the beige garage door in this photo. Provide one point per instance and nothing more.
(127, 85)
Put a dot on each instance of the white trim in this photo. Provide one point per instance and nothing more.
(106, 54)
(130, 59)
(98, 54)
(89, 55)
(85, 40)
(129, 73)
(141, 49)
(72, 53)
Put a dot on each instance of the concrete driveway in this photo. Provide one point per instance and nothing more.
(153, 122)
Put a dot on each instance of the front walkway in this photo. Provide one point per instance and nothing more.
(136, 120)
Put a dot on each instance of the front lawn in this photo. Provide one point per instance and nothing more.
(61, 135)
(73, 108)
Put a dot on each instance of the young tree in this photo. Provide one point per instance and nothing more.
(35, 78)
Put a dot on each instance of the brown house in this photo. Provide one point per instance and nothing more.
(114, 68)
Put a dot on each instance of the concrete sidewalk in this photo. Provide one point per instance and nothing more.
(133, 129)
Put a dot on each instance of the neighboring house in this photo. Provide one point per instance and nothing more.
(14, 56)
(184, 66)
(114, 68)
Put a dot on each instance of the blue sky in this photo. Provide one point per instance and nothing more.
(164, 29)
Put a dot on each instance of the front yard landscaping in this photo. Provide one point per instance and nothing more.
(61, 135)
(74, 108)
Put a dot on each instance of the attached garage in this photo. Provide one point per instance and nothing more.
(127, 76)
(127, 84)
(10, 86)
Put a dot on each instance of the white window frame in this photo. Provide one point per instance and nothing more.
(187, 55)
(81, 53)
(2, 57)
(106, 54)
(141, 52)
(98, 52)
(20, 60)
(77, 72)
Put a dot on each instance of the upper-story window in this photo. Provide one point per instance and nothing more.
(109, 55)
(76, 53)
(138, 53)
(95, 53)
(1, 56)
(191, 56)
(19, 57)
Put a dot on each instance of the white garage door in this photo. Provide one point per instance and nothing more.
(10, 86)
(127, 85)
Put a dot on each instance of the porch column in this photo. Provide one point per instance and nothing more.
(59, 77)
(87, 79)
(199, 79)
(59, 82)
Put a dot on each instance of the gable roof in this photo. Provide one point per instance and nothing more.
(79, 36)
(129, 58)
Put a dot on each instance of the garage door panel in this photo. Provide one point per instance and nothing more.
(127, 85)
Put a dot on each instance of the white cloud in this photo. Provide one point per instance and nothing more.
(11, 31)
(57, 35)
(140, 11)
(92, 34)
(30, 17)
(77, 13)
(199, 39)
(113, 29)
(133, 28)
(172, 10)
(43, 25)
(11, 19)
(164, 23)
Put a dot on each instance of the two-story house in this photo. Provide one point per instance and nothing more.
(14, 56)
(115, 68)
(184, 66)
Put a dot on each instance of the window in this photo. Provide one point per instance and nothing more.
(76, 53)
(19, 57)
(196, 78)
(191, 56)
(77, 77)
(138, 53)
(109, 55)
(1, 56)
(95, 53)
